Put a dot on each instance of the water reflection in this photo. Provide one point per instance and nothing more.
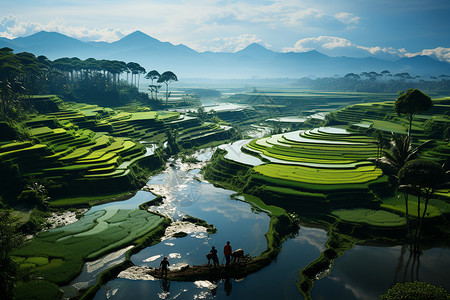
(164, 284)
(367, 272)
(227, 286)
(361, 273)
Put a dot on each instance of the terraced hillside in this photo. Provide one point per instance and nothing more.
(78, 148)
(381, 116)
(325, 170)
(291, 101)
(317, 170)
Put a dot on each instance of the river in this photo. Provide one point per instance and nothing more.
(364, 272)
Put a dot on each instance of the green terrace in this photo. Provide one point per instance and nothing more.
(317, 146)
(317, 170)
(309, 102)
(81, 146)
(326, 170)
(381, 116)
(72, 154)
(58, 255)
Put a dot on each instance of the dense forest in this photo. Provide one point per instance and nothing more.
(107, 82)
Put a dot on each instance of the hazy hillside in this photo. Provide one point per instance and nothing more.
(253, 61)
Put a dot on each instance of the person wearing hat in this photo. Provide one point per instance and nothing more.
(164, 266)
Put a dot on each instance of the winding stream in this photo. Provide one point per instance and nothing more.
(361, 273)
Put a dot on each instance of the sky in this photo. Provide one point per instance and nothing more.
(387, 29)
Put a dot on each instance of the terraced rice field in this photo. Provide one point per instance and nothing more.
(91, 147)
(59, 254)
(320, 169)
(322, 148)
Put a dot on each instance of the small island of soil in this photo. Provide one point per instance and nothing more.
(236, 270)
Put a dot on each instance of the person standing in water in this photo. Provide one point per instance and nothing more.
(227, 252)
(164, 266)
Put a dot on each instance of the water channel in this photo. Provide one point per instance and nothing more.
(365, 272)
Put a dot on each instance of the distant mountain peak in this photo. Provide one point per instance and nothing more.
(138, 36)
(48, 38)
(45, 34)
(137, 33)
(253, 46)
(255, 49)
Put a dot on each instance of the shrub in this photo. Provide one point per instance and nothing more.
(416, 290)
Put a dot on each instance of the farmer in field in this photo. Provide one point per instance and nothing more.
(164, 266)
(227, 252)
(214, 256)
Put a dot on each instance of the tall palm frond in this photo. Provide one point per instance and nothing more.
(401, 151)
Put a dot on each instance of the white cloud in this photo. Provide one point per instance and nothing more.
(10, 28)
(319, 43)
(347, 18)
(439, 53)
(337, 46)
(174, 21)
(381, 50)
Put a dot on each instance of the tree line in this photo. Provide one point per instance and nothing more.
(106, 82)
(375, 82)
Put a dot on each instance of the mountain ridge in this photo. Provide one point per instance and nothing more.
(253, 60)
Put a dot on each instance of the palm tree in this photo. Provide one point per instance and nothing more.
(167, 77)
(396, 157)
(401, 151)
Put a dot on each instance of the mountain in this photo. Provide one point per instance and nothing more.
(255, 50)
(254, 60)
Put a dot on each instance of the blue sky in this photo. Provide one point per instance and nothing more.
(359, 28)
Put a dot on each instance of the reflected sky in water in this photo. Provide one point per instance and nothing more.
(361, 273)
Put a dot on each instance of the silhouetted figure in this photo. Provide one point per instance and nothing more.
(215, 258)
(227, 252)
(164, 266)
(209, 257)
(227, 286)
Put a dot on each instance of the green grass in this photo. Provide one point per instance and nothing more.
(257, 202)
(388, 126)
(120, 216)
(38, 261)
(435, 207)
(361, 174)
(150, 115)
(371, 217)
(87, 200)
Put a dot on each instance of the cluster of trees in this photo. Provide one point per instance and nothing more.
(416, 176)
(102, 81)
(384, 81)
(166, 78)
